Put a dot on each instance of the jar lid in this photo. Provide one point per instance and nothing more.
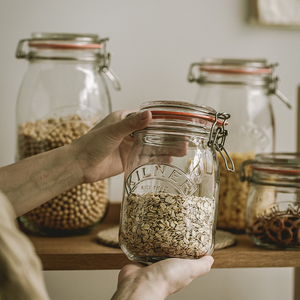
(62, 41)
(177, 110)
(68, 47)
(288, 163)
(240, 72)
(176, 117)
(235, 66)
(280, 169)
(65, 41)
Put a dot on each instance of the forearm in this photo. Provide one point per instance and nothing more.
(37, 179)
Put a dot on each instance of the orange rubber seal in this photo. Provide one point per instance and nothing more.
(64, 46)
(235, 71)
(183, 116)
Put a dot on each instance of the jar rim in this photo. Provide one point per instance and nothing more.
(259, 63)
(64, 46)
(184, 117)
(184, 111)
(236, 66)
(42, 40)
(281, 162)
(170, 107)
(256, 72)
(275, 169)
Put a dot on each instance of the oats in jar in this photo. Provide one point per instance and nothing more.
(166, 225)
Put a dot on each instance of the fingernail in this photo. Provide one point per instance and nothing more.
(143, 115)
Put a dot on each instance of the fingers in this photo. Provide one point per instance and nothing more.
(202, 266)
(177, 273)
(192, 267)
(119, 130)
(165, 277)
(113, 117)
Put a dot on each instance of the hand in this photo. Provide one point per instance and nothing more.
(99, 154)
(103, 151)
(160, 279)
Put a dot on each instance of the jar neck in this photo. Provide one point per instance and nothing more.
(276, 179)
(259, 80)
(66, 55)
(275, 169)
(151, 135)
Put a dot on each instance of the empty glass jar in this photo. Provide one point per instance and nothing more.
(172, 183)
(242, 88)
(63, 95)
(273, 205)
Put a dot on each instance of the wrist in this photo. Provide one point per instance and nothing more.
(143, 286)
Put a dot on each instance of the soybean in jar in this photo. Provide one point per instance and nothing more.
(63, 95)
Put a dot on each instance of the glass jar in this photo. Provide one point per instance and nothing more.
(273, 205)
(243, 89)
(63, 95)
(172, 183)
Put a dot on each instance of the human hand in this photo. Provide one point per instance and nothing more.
(161, 279)
(103, 152)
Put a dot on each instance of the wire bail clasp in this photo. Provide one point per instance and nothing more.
(218, 140)
(273, 84)
(105, 67)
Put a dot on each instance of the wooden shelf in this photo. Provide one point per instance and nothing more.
(84, 253)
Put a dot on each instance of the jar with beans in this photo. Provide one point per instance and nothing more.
(273, 204)
(243, 88)
(171, 183)
(63, 95)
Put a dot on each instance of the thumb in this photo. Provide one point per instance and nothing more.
(121, 129)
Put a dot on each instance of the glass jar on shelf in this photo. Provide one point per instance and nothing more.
(171, 183)
(273, 205)
(242, 88)
(63, 95)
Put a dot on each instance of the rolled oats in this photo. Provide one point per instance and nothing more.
(167, 225)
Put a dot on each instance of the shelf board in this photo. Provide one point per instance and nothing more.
(85, 253)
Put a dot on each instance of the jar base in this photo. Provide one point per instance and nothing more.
(261, 244)
(147, 260)
(42, 231)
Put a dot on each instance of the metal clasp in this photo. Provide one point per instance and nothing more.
(273, 87)
(218, 140)
(242, 173)
(104, 67)
(191, 75)
(20, 53)
(109, 72)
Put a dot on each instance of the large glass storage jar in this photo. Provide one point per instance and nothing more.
(273, 205)
(172, 183)
(243, 89)
(63, 95)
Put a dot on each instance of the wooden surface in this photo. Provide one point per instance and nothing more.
(84, 253)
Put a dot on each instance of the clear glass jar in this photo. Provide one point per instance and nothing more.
(273, 205)
(63, 95)
(172, 182)
(243, 89)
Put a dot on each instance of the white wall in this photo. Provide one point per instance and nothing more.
(154, 42)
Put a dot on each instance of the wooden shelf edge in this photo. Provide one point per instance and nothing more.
(84, 253)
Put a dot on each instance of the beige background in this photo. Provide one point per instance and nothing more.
(154, 42)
